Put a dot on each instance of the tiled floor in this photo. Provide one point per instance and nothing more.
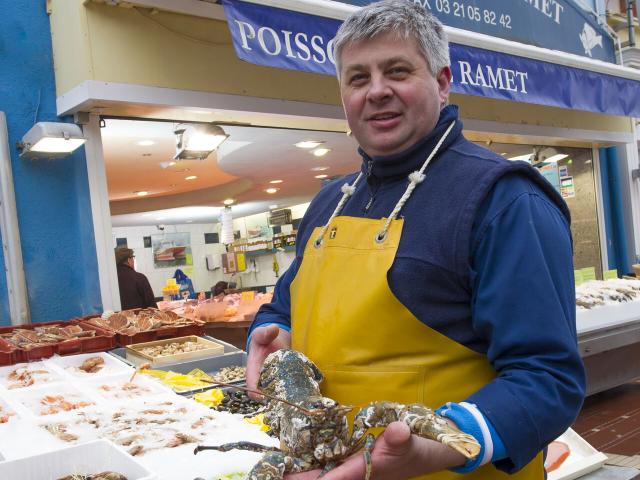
(610, 421)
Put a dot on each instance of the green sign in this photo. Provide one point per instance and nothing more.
(588, 274)
(577, 274)
(610, 274)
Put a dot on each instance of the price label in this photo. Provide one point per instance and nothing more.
(610, 274)
(577, 274)
(588, 273)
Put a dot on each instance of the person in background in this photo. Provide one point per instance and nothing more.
(135, 291)
(219, 288)
(439, 274)
(186, 285)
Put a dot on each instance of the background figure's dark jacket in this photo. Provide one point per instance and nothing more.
(135, 291)
(485, 259)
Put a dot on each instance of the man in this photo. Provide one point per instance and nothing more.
(441, 274)
(135, 291)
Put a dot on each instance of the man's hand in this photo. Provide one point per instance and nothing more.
(397, 455)
(264, 340)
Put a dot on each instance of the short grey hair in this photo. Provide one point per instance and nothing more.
(402, 18)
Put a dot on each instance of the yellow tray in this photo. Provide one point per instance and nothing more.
(135, 355)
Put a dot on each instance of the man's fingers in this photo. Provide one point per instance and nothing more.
(265, 335)
(397, 434)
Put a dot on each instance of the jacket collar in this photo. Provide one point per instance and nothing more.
(403, 163)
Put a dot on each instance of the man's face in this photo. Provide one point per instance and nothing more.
(390, 98)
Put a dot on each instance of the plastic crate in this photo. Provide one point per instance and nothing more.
(102, 341)
(161, 333)
(87, 458)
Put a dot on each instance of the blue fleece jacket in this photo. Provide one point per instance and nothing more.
(505, 288)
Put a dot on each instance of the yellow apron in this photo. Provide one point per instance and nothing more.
(366, 342)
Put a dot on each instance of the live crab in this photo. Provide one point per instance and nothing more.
(313, 429)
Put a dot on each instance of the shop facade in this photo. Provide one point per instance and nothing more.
(177, 62)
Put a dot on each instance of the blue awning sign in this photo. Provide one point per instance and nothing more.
(279, 38)
(556, 24)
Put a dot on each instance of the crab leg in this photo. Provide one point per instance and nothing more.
(422, 421)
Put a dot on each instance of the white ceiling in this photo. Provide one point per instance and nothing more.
(241, 169)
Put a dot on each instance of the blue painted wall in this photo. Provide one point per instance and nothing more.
(4, 301)
(52, 196)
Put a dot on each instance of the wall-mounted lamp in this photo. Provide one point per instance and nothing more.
(51, 140)
(197, 142)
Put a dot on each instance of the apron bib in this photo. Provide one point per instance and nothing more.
(368, 345)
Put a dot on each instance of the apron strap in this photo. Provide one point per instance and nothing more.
(414, 179)
(347, 191)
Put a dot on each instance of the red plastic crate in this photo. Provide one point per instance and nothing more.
(122, 340)
(103, 340)
(9, 355)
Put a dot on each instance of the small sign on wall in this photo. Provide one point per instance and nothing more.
(567, 188)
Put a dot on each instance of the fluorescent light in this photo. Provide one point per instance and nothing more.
(321, 176)
(308, 144)
(275, 181)
(556, 158)
(526, 158)
(146, 143)
(191, 177)
(272, 190)
(229, 201)
(57, 145)
(320, 152)
(271, 207)
(319, 169)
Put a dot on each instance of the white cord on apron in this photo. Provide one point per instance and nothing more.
(414, 179)
(347, 191)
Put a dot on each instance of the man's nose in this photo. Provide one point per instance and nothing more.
(379, 89)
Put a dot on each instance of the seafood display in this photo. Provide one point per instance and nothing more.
(139, 427)
(92, 365)
(173, 348)
(313, 430)
(44, 335)
(55, 401)
(96, 476)
(123, 389)
(87, 365)
(235, 401)
(597, 293)
(229, 374)
(130, 322)
(6, 413)
(27, 374)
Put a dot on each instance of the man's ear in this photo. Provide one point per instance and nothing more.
(444, 84)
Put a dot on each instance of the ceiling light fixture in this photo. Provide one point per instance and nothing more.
(229, 201)
(321, 152)
(197, 141)
(308, 144)
(191, 177)
(146, 143)
(271, 207)
(321, 176)
(275, 181)
(556, 158)
(51, 140)
(272, 190)
(141, 193)
(319, 169)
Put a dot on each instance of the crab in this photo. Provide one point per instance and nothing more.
(313, 430)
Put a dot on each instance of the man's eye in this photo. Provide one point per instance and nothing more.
(397, 71)
(358, 78)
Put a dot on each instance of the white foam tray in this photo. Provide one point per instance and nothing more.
(69, 365)
(87, 458)
(583, 458)
(147, 387)
(39, 379)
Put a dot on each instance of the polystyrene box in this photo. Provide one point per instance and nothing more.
(88, 458)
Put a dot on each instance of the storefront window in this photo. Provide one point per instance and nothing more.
(571, 172)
